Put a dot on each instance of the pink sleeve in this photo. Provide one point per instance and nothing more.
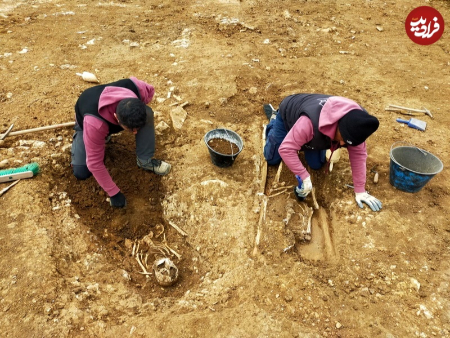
(300, 134)
(357, 156)
(146, 90)
(94, 134)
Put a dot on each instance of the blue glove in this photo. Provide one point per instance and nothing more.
(303, 188)
(371, 201)
(118, 200)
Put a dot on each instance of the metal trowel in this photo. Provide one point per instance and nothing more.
(414, 123)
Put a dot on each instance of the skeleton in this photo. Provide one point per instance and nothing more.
(142, 258)
(306, 216)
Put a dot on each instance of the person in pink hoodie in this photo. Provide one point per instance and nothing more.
(109, 109)
(313, 123)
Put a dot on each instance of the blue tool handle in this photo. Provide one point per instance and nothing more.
(402, 120)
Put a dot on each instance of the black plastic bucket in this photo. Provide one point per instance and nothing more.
(223, 160)
(411, 168)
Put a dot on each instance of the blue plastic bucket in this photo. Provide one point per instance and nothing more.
(223, 160)
(412, 168)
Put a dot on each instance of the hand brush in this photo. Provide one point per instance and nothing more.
(26, 171)
(414, 123)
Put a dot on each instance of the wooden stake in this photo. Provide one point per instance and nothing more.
(264, 165)
(316, 205)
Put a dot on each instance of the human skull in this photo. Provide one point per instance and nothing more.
(166, 272)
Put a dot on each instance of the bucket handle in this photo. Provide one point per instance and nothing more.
(231, 144)
(409, 144)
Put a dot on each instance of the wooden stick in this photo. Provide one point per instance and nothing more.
(316, 205)
(263, 177)
(264, 166)
(55, 126)
(183, 233)
(262, 218)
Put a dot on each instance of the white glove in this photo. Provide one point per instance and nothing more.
(307, 185)
(303, 189)
(371, 201)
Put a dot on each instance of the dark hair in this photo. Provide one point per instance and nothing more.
(131, 113)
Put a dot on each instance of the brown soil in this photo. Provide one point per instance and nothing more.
(223, 146)
(245, 270)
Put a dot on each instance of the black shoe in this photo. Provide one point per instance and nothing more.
(269, 111)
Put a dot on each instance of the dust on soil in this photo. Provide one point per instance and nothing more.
(66, 256)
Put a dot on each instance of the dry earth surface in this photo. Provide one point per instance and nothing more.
(66, 263)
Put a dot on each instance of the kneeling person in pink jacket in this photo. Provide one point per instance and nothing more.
(109, 109)
(313, 123)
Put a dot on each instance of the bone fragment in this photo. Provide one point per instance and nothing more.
(285, 187)
(134, 249)
(278, 193)
(169, 248)
(289, 212)
(173, 251)
(182, 232)
(288, 248)
(375, 178)
(277, 176)
(144, 270)
(307, 233)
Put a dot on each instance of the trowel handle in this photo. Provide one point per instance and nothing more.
(402, 120)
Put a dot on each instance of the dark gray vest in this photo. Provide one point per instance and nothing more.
(87, 103)
(294, 106)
